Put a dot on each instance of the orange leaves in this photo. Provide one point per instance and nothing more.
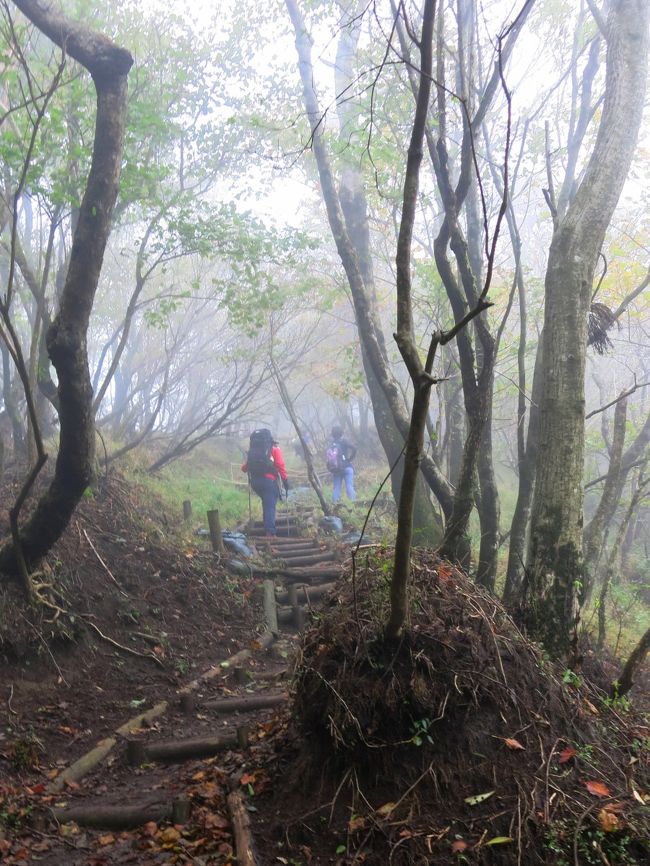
(609, 821)
(256, 781)
(598, 789)
(567, 754)
(458, 846)
(513, 744)
(169, 836)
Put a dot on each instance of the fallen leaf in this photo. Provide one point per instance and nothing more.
(247, 779)
(386, 809)
(499, 840)
(567, 754)
(458, 846)
(608, 821)
(170, 835)
(40, 846)
(478, 798)
(598, 789)
(150, 828)
(357, 822)
(70, 783)
(106, 839)
(52, 774)
(198, 777)
(513, 744)
(445, 572)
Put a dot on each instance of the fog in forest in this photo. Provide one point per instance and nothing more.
(409, 242)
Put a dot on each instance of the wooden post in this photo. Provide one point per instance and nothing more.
(242, 736)
(241, 676)
(299, 617)
(296, 609)
(188, 704)
(215, 531)
(187, 509)
(181, 809)
(270, 607)
(135, 752)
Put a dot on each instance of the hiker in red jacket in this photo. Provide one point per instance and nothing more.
(265, 467)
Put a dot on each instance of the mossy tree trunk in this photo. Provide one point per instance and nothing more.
(555, 567)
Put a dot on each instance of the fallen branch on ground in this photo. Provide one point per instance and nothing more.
(242, 829)
(120, 646)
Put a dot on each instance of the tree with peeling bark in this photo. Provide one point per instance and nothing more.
(555, 567)
(109, 66)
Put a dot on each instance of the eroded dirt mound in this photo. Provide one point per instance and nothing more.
(131, 616)
(459, 741)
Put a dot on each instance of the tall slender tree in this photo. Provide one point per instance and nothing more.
(555, 571)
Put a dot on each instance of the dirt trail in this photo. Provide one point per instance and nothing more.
(183, 616)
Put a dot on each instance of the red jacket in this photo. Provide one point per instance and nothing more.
(278, 459)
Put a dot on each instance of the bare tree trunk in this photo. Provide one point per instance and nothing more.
(314, 480)
(636, 659)
(354, 207)
(555, 568)
(520, 519)
(66, 339)
(420, 373)
(594, 533)
(368, 325)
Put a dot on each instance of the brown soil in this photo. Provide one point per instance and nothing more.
(64, 687)
(460, 743)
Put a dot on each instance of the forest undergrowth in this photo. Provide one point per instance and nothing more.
(461, 742)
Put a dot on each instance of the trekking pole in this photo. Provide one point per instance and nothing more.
(250, 507)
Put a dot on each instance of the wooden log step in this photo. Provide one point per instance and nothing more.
(314, 592)
(293, 616)
(324, 556)
(305, 574)
(280, 550)
(301, 541)
(246, 704)
(115, 817)
(310, 575)
(186, 750)
(262, 676)
(291, 520)
(290, 555)
(292, 532)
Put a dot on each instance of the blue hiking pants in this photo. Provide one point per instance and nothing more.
(338, 478)
(267, 490)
